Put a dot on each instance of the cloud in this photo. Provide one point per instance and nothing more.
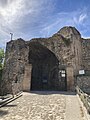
(82, 17)
(22, 17)
(77, 19)
(14, 13)
(9, 16)
(36, 18)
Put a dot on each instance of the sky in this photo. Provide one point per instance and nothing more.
(29, 19)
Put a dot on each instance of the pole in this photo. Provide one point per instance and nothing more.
(11, 35)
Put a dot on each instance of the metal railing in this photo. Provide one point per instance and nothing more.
(85, 98)
(4, 100)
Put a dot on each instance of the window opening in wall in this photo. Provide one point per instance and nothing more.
(16, 80)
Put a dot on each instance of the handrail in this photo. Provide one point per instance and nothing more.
(12, 97)
(85, 98)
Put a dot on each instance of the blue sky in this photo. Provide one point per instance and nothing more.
(42, 18)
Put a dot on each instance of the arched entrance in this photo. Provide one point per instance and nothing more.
(45, 74)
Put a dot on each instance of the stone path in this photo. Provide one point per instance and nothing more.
(74, 110)
(43, 106)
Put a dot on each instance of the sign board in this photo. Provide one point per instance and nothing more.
(81, 72)
(63, 75)
(44, 81)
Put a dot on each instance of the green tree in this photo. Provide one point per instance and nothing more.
(1, 62)
(1, 58)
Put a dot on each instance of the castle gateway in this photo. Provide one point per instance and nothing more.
(45, 63)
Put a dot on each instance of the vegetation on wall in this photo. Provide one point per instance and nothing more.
(1, 61)
(66, 41)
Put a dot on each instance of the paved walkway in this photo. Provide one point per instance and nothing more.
(43, 106)
(74, 110)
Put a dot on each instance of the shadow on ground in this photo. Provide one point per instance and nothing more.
(52, 92)
(3, 112)
(10, 105)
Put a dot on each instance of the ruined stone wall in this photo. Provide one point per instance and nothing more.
(73, 56)
(26, 82)
(75, 53)
(86, 54)
(66, 47)
(16, 57)
(84, 83)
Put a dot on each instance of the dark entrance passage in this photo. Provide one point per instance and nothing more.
(45, 69)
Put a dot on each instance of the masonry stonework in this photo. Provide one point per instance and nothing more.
(46, 63)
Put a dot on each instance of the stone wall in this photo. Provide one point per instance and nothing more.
(84, 83)
(15, 59)
(75, 53)
(27, 77)
(86, 54)
(62, 51)
(66, 45)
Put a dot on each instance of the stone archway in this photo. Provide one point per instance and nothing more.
(45, 73)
